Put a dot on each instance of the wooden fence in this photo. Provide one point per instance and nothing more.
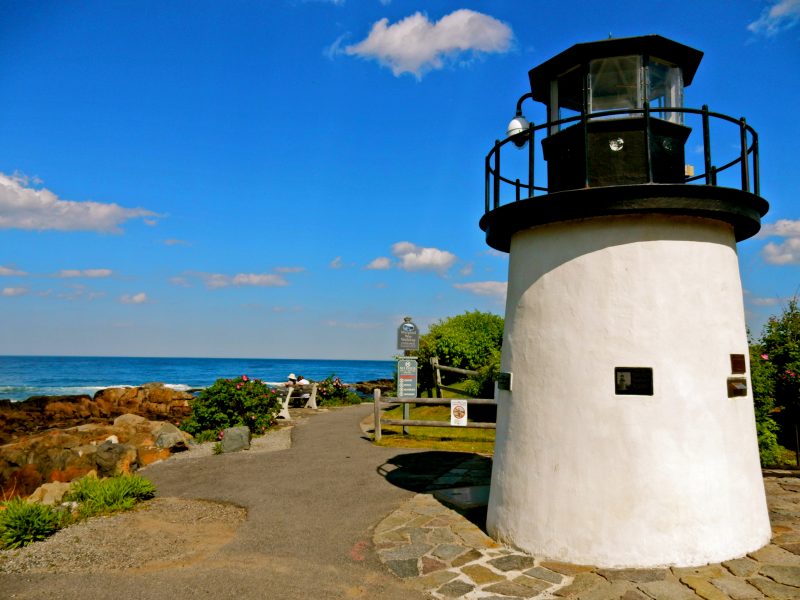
(391, 401)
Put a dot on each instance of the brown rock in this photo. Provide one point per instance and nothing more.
(49, 493)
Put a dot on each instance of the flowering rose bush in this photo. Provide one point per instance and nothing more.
(231, 403)
(332, 391)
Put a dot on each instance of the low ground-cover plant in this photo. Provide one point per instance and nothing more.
(23, 522)
(105, 496)
(331, 391)
(232, 403)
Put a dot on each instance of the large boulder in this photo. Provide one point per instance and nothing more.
(115, 459)
(235, 439)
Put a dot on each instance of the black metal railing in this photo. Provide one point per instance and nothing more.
(747, 158)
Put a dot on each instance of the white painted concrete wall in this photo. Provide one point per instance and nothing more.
(587, 476)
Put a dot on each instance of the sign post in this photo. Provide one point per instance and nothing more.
(408, 341)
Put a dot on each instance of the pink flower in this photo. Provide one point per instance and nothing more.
(238, 386)
(765, 356)
(244, 377)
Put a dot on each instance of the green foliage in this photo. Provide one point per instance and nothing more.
(231, 403)
(333, 392)
(23, 522)
(762, 375)
(482, 384)
(469, 341)
(106, 496)
(217, 448)
(780, 342)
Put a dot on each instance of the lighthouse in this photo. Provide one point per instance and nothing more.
(625, 428)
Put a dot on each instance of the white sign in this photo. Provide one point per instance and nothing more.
(458, 413)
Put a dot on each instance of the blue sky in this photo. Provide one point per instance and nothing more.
(289, 178)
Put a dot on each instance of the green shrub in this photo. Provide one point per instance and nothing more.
(231, 403)
(482, 384)
(469, 341)
(762, 376)
(105, 496)
(23, 522)
(333, 392)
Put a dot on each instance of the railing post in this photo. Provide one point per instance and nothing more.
(487, 187)
(516, 186)
(707, 145)
(377, 413)
(756, 171)
(745, 162)
(531, 159)
(496, 173)
(648, 158)
(713, 175)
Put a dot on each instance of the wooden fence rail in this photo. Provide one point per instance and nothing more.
(390, 400)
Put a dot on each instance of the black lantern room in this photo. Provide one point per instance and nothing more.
(614, 142)
(615, 77)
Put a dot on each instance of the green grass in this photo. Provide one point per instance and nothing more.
(459, 439)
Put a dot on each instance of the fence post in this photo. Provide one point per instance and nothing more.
(377, 414)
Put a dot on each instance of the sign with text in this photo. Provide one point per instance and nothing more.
(407, 378)
(458, 413)
(407, 335)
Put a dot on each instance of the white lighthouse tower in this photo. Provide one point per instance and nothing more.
(625, 427)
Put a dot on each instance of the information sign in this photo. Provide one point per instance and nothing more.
(407, 378)
(407, 335)
(458, 413)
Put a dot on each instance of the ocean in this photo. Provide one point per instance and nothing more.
(24, 376)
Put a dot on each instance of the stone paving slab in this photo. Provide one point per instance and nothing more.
(451, 557)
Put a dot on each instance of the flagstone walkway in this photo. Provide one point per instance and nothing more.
(451, 557)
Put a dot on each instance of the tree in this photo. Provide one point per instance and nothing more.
(469, 341)
(780, 342)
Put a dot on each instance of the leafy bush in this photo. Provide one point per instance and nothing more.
(105, 496)
(23, 522)
(231, 403)
(762, 374)
(482, 384)
(331, 391)
(469, 341)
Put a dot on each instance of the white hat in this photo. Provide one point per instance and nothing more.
(292, 377)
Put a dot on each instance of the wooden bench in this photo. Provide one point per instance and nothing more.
(291, 392)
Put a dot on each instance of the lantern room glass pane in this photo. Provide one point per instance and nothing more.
(615, 83)
(665, 89)
(569, 95)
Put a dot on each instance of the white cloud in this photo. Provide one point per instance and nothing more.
(23, 207)
(417, 258)
(139, 298)
(466, 270)
(416, 45)
(176, 242)
(782, 228)
(216, 280)
(336, 263)
(495, 289)
(379, 264)
(785, 253)
(289, 269)
(9, 272)
(777, 17)
(13, 291)
(90, 273)
(761, 301)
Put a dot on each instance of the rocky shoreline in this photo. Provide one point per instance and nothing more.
(48, 440)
